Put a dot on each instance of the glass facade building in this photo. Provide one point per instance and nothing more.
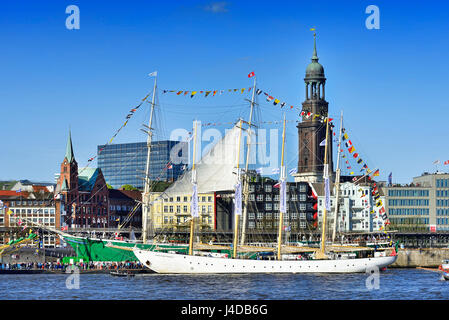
(125, 163)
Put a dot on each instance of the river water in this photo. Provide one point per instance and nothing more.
(392, 284)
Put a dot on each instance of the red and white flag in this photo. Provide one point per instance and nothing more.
(252, 74)
(446, 162)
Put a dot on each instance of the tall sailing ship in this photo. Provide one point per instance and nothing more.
(325, 259)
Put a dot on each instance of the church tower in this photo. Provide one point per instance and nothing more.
(312, 131)
(67, 185)
(69, 168)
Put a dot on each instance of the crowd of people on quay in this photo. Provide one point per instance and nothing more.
(58, 266)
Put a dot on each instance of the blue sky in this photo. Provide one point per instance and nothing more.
(390, 83)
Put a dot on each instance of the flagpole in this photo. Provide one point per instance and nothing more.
(337, 180)
(282, 200)
(321, 254)
(193, 195)
(147, 208)
(246, 182)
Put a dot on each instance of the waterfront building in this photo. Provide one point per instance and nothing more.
(422, 205)
(173, 213)
(125, 163)
(81, 194)
(124, 208)
(263, 209)
(357, 211)
(20, 208)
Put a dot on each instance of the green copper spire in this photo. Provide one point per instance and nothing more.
(314, 70)
(315, 56)
(69, 150)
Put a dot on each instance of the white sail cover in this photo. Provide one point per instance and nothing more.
(216, 171)
(283, 197)
(194, 204)
(238, 199)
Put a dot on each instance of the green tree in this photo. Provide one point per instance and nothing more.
(129, 187)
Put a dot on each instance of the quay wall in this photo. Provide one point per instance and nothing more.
(420, 257)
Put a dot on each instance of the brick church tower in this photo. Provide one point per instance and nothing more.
(312, 131)
(81, 194)
(67, 185)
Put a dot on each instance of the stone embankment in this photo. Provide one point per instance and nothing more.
(424, 257)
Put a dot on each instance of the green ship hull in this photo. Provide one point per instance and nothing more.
(92, 249)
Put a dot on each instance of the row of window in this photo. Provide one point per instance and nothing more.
(442, 183)
(120, 208)
(33, 211)
(442, 220)
(171, 219)
(442, 203)
(269, 215)
(442, 193)
(169, 209)
(30, 203)
(185, 199)
(408, 193)
(409, 220)
(276, 197)
(409, 212)
(134, 218)
(269, 188)
(47, 221)
(442, 212)
(408, 202)
(275, 224)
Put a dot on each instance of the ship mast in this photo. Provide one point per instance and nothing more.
(194, 203)
(321, 253)
(237, 197)
(337, 180)
(282, 196)
(246, 182)
(146, 213)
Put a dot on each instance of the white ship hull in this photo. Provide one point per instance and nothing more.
(179, 263)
